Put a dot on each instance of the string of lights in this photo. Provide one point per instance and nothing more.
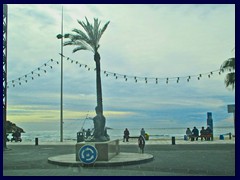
(33, 74)
(155, 80)
(43, 69)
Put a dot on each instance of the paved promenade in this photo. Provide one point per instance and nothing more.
(186, 158)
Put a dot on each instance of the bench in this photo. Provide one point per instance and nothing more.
(221, 137)
(133, 137)
(205, 136)
(130, 137)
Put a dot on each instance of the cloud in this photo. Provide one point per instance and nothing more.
(157, 41)
(228, 121)
(31, 113)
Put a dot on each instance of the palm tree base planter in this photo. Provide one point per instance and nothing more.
(105, 150)
(98, 139)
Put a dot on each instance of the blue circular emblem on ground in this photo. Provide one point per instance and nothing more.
(88, 154)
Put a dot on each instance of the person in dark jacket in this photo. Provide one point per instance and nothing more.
(126, 135)
(195, 133)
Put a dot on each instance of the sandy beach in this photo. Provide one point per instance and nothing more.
(185, 158)
(134, 141)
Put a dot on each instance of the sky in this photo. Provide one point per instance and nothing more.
(143, 41)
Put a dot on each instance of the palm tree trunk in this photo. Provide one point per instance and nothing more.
(98, 83)
(99, 119)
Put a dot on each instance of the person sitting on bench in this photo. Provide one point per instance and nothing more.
(203, 133)
(195, 133)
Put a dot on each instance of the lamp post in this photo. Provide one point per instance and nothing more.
(60, 36)
(5, 25)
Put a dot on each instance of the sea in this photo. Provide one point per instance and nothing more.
(114, 133)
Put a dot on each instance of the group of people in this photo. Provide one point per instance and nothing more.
(194, 133)
(85, 134)
(127, 133)
(16, 136)
(141, 138)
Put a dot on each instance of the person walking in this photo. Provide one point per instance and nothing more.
(142, 132)
(141, 143)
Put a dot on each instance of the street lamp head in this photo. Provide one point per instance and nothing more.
(59, 36)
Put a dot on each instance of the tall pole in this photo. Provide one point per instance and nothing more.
(61, 116)
(5, 21)
(60, 36)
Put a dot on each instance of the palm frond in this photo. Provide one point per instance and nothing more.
(79, 48)
(104, 27)
(101, 31)
(96, 31)
(89, 30)
(82, 34)
(88, 40)
(66, 43)
(228, 64)
(87, 27)
(85, 39)
(81, 45)
(230, 80)
(84, 45)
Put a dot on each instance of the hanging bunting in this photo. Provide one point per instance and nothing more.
(156, 80)
(32, 74)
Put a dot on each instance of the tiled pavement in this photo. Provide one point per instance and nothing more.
(183, 159)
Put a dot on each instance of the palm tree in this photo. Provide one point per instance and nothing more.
(229, 64)
(89, 40)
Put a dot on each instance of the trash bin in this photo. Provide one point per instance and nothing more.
(221, 137)
(80, 136)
